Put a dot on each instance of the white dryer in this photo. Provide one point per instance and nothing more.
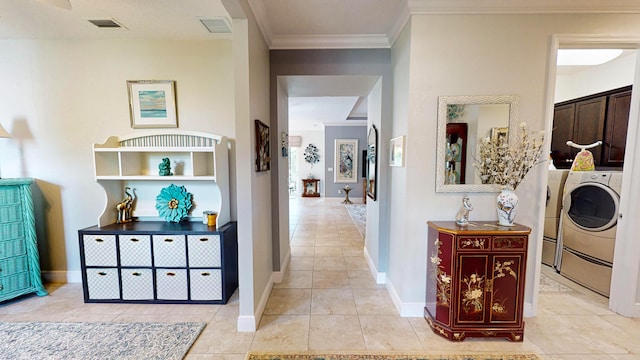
(589, 219)
(555, 185)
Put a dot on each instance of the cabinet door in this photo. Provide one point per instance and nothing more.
(472, 283)
(615, 139)
(506, 289)
(563, 116)
(589, 124)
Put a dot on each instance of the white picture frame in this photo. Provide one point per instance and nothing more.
(346, 161)
(396, 151)
(152, 103)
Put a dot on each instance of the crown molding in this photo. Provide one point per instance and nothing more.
(260, 13)
(432, 7)
(330, 42)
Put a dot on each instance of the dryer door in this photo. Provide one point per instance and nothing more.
(592, 206)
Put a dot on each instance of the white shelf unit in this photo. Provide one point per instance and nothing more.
(199, 162)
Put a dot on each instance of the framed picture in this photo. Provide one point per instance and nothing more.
(263, 157)
(396, 151)
(152, 103)
(346, 162)
(500, 134)
(372, 162)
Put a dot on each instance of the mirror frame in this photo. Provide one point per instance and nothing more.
(443, 101)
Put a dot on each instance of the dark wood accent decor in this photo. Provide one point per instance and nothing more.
(603, 116)
(310, 188)
(475, 280)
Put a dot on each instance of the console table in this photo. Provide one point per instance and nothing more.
(475, 279)
(310, 188)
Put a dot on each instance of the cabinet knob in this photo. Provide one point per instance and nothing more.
(204, 239)
(102, 273)
(99, 240)
(168, 240)
(206, 274)
(171, 274)
(136, 274)
(134, 240)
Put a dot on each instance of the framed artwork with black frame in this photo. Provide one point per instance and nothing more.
(372, 161)
(263, 157)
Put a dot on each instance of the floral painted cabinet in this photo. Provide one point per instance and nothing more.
(475, 280)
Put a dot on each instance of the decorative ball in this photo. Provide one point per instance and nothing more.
(173, 203)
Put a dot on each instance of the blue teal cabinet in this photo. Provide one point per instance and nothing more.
(19, 258)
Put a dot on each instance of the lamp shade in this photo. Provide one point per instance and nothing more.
(4, 133)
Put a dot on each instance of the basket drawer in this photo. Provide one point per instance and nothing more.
(10, 213)
(13, 265)
(137, 284)
(206, 284)
(15, 282)
(11, 231)
(100, 250)
(171, 284)
(9, 195)
(11, 248)
(135, 250)
(102, 284)
(169, 251)
(204, 250)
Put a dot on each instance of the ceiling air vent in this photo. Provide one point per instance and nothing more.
(106, 24)
(217, 25)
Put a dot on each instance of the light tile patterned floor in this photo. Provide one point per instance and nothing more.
(329, 301)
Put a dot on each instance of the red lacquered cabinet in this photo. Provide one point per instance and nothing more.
(475, 280)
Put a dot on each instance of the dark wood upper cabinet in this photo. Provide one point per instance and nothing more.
(616, 129)
(603, 116)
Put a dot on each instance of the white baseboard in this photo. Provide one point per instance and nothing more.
(62, 276)
(381, 278)
(250, 323)
(278, 276)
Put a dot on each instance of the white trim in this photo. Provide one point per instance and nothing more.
(364, 41)
(62, 276)
(250, 323)
(345, 123)
(529, 7)
(278, 276)
(380, 277)
(626, 259)
(260, 13)
(247, 324)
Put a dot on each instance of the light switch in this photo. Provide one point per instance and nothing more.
(330, 169)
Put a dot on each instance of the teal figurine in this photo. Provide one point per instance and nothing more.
(165, 167)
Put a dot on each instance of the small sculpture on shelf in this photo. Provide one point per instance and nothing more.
(124, 208)
(462, 218)
(165, 167)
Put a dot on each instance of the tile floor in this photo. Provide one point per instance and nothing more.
(329, 301)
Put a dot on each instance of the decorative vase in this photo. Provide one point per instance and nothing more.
(507, 204)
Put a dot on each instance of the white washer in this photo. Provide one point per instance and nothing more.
(555, 185)
(589, 219)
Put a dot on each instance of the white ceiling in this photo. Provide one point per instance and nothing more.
(285, 24)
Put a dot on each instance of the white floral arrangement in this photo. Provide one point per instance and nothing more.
(506, 163)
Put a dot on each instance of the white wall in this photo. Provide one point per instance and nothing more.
(476, 55)
(304, 168)
(58, 98)
(594, 79)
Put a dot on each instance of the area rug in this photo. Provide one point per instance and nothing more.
(387, 356)
(104, 341)
(548, 284)
(358, 213)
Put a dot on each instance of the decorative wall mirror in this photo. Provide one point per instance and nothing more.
(462, 121)
(372, 162)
